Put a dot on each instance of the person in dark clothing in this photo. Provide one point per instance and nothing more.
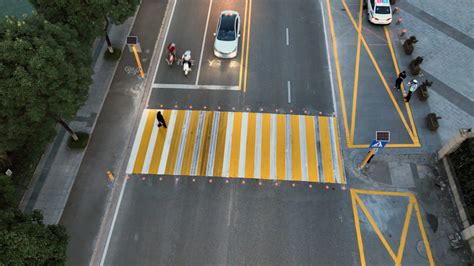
(399, 80)
(161, 119)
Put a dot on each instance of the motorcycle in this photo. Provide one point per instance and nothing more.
(186, 62)
(170, 59)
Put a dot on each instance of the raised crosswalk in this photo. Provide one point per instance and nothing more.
(238, 145)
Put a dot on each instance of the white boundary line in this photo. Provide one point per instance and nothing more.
(287, 37)
(289, 91)
(161, 52)
(136, 143)
(203, 42)
(194, 87)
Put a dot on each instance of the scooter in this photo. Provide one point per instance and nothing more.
(186, 62)
(170, 59)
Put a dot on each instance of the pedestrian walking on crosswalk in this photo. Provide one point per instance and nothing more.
(399, 80)
(160, 119)
(412, 86)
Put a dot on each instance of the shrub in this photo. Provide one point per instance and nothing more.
(415, 65)
(113, 56)
(81, 143)
(462, 161)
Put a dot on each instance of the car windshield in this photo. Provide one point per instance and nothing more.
(227, 28)
(382, 9)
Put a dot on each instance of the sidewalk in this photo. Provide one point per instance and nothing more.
(446, 43)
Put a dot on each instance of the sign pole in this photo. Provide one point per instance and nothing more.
(367, 158)
(142, 74)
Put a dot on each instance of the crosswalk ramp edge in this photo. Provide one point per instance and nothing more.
(238, 145)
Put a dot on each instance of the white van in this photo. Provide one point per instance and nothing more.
(379, 11)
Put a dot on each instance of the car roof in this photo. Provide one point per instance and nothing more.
(382, 2)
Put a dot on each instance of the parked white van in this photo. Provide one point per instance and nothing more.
(379, 11)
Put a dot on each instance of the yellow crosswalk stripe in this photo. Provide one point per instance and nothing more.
(220, 145)
(295, 148)
(145, 141)
(250, 155)
(190, 144)
(205, 142)
(326, 149)
(311, 150)
(175, 144)
(156, 157)
(245, 145)
(265, 167)
(235, 148)
(281, 148)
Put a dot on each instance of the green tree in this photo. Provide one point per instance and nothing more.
(45, 75)
(90, 18)
(25, 240)
(7, 192)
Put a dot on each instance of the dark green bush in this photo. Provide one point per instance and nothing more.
(113, 56)
(81, 143)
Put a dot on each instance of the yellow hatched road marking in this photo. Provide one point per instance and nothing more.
(311, 150)
(423, 233)
(175, 143)
(339, 153)
(250, 150)
(265, 167)
(401, 248)
(220, 145)
(235, 148)
(205, 142)
(190, 143)
(280, 155)
(145, 141)
(158, 149)
(326, 149)
(295, 148)
(357, 223)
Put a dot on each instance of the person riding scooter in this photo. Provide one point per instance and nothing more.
(171, 53)
(186, 61)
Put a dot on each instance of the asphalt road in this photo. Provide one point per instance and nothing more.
(287, 65)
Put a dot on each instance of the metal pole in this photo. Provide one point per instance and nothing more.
(142, 74)
(367, 158)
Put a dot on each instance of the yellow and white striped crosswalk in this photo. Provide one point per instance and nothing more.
(238, 145)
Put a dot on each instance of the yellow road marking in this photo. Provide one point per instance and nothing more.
(235, 147)
(250, 150)
(145, 140)
(423, 233)
(248, 44)
(190, 143)
(169, 170)
(406, 224)
(220, 144)
(369, 52)
(295, 148)
(205, 142)
(160, 141)
(326, 149)
(244, 31)
(339, 153)
(384, 193)
(376, 228)
(338, 72)
(357, 223)
(397, 70)
(311, 150)
(356, 78)
(265, 162)
(280, 154)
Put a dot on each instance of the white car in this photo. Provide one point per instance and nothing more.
(379, 11)
(227, 34)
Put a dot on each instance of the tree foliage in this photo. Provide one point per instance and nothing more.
(87, 17)
(25, 240)
(45, 73)
(7, 192)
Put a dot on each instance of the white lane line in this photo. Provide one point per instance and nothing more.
(289, 91)
(197, 144)
(243, 144)
(273, 139)
(258, 147)
(335, 159)
(203, 42)
(182, 143)
(166, 147)
(151, 147)
(136, 143)
(195, 87)
(162, 46)
(303, 149)
(287, 37)
(288, 158)
(328, 58)
(212, 148)
(228, 144)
